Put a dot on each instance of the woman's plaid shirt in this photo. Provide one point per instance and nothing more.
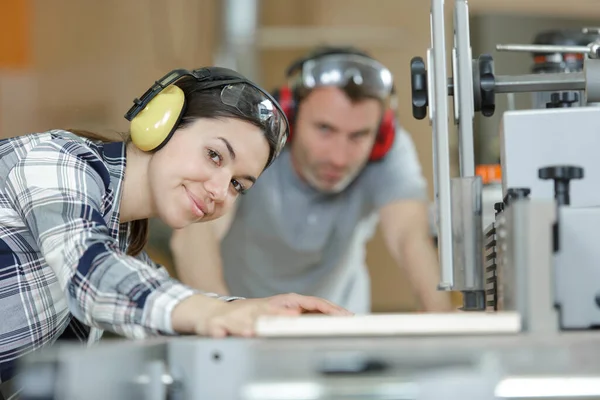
(63, 251)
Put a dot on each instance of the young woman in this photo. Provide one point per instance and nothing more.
(74, 213)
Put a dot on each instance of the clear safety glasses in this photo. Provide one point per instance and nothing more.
(254, 103)
(340, 69)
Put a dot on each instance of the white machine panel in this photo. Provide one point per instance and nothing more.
(531, 139)
(576, 268)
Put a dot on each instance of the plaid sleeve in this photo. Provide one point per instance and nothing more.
(145, 258)
(58, 188)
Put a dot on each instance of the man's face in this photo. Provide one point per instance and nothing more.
(333, 138)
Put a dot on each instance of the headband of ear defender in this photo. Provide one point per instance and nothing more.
(154, 117)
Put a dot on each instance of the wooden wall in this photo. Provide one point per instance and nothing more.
(89, 59)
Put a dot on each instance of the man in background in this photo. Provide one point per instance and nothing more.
(305, 224)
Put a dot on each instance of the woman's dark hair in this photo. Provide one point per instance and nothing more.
(200, 103)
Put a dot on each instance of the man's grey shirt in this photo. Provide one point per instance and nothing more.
(288, 237)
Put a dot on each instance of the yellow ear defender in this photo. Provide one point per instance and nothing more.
(156, 114)
(157, 121)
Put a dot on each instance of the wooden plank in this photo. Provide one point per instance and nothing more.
(410, 324)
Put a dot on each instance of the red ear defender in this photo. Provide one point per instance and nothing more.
(285, 98)
(385, 136)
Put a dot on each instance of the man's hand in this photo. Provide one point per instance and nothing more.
(197, 254)
(405, 227)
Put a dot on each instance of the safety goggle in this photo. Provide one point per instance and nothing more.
(340, 69)
(238, 92)
(255, 104)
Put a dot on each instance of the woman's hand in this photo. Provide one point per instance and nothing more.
(238, 318)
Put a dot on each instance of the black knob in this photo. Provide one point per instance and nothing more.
(499, 207)
(516, 193)
(562, 99)
(418, 85)
(487, 83)
(562, 175)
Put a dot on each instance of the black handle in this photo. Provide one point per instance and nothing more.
(418, 86)
(562, 176)
(487, 83)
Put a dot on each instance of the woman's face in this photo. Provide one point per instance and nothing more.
(203, 168)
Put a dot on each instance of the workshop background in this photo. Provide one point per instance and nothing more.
(80, 63)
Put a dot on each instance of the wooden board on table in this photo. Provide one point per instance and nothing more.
(410, 324)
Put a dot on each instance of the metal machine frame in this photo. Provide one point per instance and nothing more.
(473, 86)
